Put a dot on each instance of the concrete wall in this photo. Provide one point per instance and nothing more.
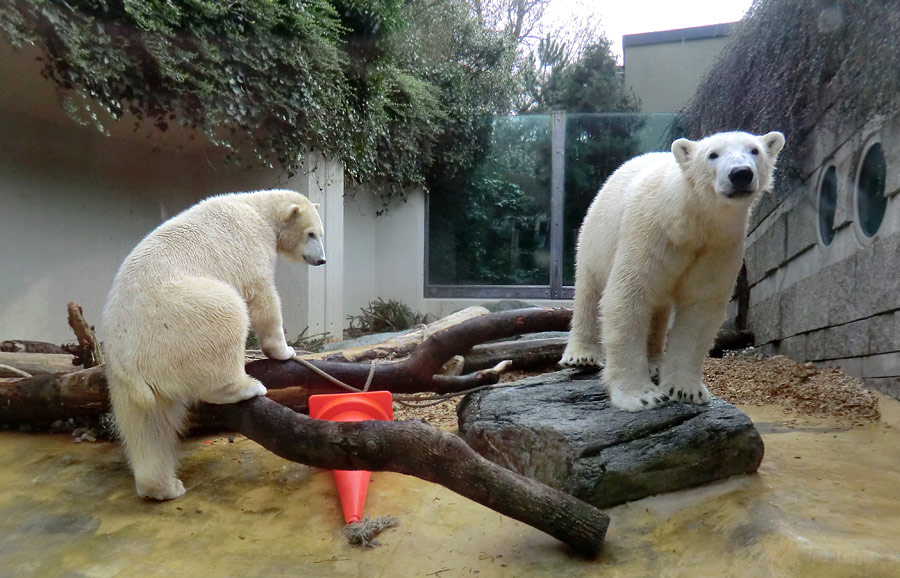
(385, 254)
(74, 202)
(664, 68)
(836, 304)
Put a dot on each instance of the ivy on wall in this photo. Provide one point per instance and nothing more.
(789, 62)
(271, 77)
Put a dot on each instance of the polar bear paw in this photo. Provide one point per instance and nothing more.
(637, 399)
(580, 355)
(280, 351)
(244, 388)
(687, 391)
(168, 489)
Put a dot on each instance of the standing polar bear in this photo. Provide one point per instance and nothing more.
(665, 235)
(176, 318)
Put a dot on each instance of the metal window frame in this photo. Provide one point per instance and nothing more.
(555, 289)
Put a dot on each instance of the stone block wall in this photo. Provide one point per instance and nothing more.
(835, 304)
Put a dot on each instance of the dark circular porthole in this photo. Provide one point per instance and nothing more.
(827, 205)
(870, 200)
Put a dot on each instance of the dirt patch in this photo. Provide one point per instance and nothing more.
(753, 379)
(740, 378)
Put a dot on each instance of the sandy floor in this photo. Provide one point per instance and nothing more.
(824, 503)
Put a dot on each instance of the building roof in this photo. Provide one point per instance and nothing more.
(679, 35)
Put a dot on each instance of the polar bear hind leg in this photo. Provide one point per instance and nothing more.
(150, 433)
(212, 332)
(193, 350)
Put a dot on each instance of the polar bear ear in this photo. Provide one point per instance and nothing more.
(293, 212)
(315, 205)
(774, 142)
(683, 149)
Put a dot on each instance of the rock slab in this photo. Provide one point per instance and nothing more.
(561, 430)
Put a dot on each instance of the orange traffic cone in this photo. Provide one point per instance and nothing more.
(352, 485)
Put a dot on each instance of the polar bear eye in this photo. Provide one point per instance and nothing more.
(312, 235)
(713, 156)
(755, 151)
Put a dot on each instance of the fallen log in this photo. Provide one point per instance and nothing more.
(416, 373)
(46, 398)
(417, 449)
(25, 346)
(35, 363)
(524, 353)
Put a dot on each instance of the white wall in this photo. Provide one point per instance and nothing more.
(384, 255)
(73, 203)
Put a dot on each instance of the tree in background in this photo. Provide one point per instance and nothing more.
(495, 229)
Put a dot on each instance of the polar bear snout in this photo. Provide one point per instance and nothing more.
(314, 252)
(742, 181)
(741, 177)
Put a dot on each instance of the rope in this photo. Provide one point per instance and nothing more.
(429, 400)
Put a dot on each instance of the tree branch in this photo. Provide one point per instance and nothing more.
(417, 449)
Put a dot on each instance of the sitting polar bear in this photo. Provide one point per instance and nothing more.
(176, 318)
(665, 235)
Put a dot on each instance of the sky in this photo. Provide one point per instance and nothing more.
(619, 17)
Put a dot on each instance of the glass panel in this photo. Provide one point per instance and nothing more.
(496, 231)
(827, 205)
(871, 202)
(596, 145)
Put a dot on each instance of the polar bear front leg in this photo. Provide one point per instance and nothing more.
(692, 334)
(583, 348)
(264, 307)
(626, 327)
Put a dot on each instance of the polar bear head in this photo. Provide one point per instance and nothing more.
(300, 237)
(736, 165)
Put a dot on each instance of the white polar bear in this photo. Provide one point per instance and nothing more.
(177, 316)
(665, 235)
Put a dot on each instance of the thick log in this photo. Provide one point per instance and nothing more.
(416, 372)
(55, 396)
(47, 397)
(402, 345)
(24, 346)
(36, 363)
(524, 353)
(417, 449)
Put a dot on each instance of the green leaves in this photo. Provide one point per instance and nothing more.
(377, 84)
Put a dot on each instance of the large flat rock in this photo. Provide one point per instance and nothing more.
(560, 429)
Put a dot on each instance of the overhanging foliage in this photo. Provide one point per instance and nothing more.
(271, 77)
(789, 62)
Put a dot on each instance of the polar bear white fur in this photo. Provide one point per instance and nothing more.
(177, 316)
(664, 238)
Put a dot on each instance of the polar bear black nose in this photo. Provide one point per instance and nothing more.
(741, 176)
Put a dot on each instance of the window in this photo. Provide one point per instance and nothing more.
(827, 205)
(512, 229)
(870, 199)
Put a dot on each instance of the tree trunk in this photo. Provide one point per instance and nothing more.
(417, 449)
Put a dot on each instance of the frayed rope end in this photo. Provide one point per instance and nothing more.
(363, 533)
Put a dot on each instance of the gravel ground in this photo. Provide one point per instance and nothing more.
(740, 378)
